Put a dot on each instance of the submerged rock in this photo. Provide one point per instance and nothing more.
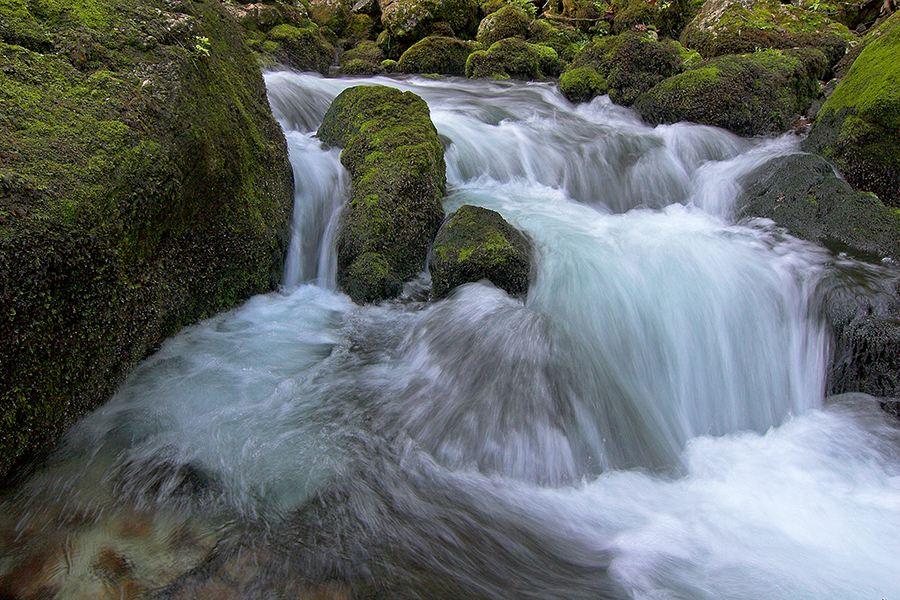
(396, 162)
(144, 185)
(748, 94)
(858, 127)
(476, 243)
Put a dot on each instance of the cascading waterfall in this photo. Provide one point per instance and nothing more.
(648, 423)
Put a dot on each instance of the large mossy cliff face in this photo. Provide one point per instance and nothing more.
(396, 163)
(144, 185)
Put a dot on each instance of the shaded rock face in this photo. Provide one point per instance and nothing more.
(802, 194)
(858, 127)
(476, 243)
(129, 207)
(396, 163)
(748, 94)
(739, 26)
(629, 64)
(408, 21)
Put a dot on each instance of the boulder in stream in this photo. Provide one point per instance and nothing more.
(476, 243)
(396, 164)
(144, 185)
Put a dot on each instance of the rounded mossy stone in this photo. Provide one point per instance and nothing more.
(333, 14)
(436, 54)
(750, 94)
(514, 58)
(565, 39)
(144, 185)
(358, 67)
(396, 163)
(474, 244)
(303, 49)
(858, 127)
(736, 27)
(408, 21)
(630, 63)
(582, 84)
(509, 21)
(365, 59)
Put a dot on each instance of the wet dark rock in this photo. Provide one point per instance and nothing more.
(474, 244)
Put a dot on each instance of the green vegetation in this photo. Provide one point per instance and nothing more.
(396, 162)
(476, 243)
(436, 54)
(514, 58)
(128, 207)
(509, 21)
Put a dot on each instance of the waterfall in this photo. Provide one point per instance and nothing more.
(648, 423)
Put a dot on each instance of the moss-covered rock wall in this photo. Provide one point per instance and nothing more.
(144, 185)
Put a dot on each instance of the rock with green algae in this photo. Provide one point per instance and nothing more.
(144, 185)
(740, 26)
(629, 64)
(364, 59)
(802, 194)
(858, 127)
(668, 18)
(474, 244)
(565, 39)
(514, 58)
(509, 21)
(408, 21)
(396, 164)
(748, 94)
(436, 54)
(300, 48)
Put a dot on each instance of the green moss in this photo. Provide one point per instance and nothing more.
(512, 57)
(582, 84)
(748, 94)
(474, 244)
(396, 162)
(509, 21)
(305, 49)
(128, 207)
(409, 21)
(436, 54)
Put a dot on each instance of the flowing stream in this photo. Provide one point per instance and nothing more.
(648, 423)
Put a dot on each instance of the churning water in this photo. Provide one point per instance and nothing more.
(649, 423)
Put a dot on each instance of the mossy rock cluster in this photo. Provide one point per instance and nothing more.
(748, 94)
(858, 127)
(396, 163)
(128, 206)
(629, 64)
(364, 59)
(474, 244)
(436, 54)
(514, 58)
(668, 18)
(802, 194)
(303, 48)
(737, 27)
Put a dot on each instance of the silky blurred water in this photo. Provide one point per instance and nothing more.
(648, 423)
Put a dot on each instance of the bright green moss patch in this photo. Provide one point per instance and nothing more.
(436, 54)
(515, 58)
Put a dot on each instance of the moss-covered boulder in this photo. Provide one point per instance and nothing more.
(262, 17)
(581, 84)
(396, 163)
(858, 127)
(630, 64)
(668, 18)
(364, 59)
(514, 58)
(802, 194)
(333, 14)
(300, 48)
(509, 21)
(474, 244)
(748, 94)
(436, 54)
(144, 185)
(565, 39)
(738, 26)
(408, 21)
